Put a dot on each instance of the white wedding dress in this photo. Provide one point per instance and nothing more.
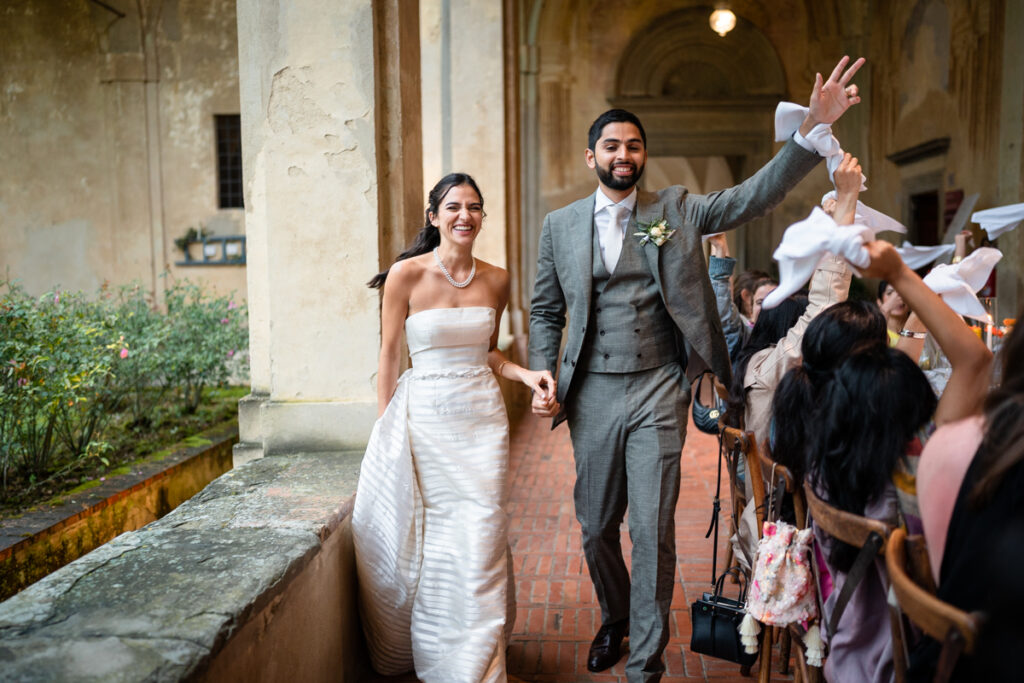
(429, 523)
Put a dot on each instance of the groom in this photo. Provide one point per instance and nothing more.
(641, 321)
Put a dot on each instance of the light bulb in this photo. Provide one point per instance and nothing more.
(722, 21)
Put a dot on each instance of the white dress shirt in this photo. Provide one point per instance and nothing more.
(610, 234)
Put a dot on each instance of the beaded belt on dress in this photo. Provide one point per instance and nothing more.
(453, 373)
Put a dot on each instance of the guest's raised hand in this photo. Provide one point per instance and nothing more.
(848, 175)
(886, 262)
(719, 245)
(964, 242)
(831, 98)
(848, 180)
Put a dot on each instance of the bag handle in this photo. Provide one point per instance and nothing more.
(740, 578)
(857, 572)
(716, 505)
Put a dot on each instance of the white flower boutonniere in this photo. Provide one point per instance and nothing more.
(655, 231)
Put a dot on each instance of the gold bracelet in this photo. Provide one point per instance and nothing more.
(501, 366)
(957, 259)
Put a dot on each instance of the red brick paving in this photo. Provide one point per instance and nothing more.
(557, 611)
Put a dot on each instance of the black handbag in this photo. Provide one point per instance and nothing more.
(716, 623)
(705, 417)
(716, 619)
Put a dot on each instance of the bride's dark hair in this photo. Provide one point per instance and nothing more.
(429, 236)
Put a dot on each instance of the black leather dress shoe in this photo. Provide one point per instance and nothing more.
(604, 650)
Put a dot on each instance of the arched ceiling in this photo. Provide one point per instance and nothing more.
(678, 57)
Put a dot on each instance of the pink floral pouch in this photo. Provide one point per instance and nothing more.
(782, 587)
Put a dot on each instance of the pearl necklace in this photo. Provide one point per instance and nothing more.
(460, 285)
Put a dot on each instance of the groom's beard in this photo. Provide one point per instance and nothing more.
(615, 182)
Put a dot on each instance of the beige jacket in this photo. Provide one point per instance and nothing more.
(830, 284)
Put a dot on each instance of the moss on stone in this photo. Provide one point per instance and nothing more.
(83, 487)
(197, 441)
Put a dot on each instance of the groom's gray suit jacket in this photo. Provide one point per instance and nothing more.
(565, 266)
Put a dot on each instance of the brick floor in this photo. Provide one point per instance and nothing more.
(557, 611)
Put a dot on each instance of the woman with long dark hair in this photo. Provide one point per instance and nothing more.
(429, 524)
(774, 344)
(872, 410)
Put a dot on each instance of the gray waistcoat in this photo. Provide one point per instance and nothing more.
(630, 330)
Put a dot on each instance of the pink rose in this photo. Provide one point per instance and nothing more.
(124, 353)
(224, 321)
(231, 305)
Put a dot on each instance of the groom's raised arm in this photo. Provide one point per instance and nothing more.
(763, 191)
(547, 309)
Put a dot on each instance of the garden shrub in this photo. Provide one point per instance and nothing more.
(204, 333)
(69, 362)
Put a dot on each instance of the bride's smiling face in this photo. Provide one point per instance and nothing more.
(459, 215)
(619, 156)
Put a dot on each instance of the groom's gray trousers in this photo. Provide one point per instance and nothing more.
(627, 433)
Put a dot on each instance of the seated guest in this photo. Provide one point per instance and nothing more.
(971, 488)
(871, 413)
(894, 309)
(746, 285)
(774, 344)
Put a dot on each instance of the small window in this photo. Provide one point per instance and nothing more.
(229, 161)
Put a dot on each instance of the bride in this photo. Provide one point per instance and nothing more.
(429, 526)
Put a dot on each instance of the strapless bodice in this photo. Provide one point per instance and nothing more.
(448, 339)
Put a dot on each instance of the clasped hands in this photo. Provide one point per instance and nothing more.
(545, 401)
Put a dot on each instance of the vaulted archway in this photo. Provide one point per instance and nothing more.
(704, 96)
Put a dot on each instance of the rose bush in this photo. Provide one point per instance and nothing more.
(70, 363)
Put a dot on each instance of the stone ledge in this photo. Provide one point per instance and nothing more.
(161, 602)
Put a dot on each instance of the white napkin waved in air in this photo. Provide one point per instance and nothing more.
(789, 116)
(872, 218)
(957, 283)
(919, 257)
(999, 220)
(805, 243)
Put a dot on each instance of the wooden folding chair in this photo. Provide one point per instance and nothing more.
(870, 535)
(760, 470)
(910, 577)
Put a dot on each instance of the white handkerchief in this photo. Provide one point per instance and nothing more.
(789, 116)
(999, 220)
(919, 257)
(957, 283)
(806, 242)
(865, 215)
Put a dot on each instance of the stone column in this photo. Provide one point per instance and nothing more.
(313, 197)
(463, 95)
(1010, 287)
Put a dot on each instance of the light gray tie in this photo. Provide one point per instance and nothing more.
(613, 236)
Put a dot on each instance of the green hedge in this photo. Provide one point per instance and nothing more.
(68, 362)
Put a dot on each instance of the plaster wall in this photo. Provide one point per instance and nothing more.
(108, 133)
(942, 70)
(463, 91)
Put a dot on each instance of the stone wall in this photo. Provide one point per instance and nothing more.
(107, 117)
(252, 579)
(43, 540)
